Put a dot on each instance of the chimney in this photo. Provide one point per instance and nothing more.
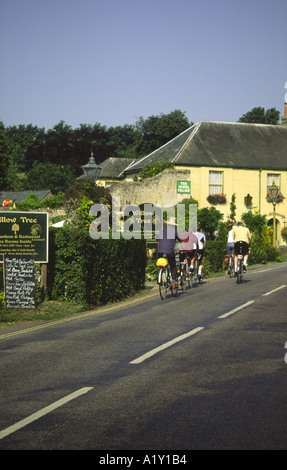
(284, 118)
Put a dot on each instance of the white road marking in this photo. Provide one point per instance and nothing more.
(166, 345)
(24, 422)
(274, 290)
(236, 309)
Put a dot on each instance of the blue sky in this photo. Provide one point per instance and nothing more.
(112, 61)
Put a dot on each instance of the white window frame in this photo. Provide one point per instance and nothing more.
(215, 182)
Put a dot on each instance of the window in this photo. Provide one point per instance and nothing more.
(273, 177)
(215, 182)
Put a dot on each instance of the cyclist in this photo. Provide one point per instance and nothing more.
(241, 236)
(167, 240)
(230, 241)
(230, 244)
(201, 249)
(188, 247)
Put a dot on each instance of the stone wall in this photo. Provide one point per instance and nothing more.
(160, 190)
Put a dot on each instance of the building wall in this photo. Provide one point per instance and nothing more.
(162, 190)
(242, 182)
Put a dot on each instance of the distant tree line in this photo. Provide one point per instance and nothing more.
(35, 158)
(31, 157)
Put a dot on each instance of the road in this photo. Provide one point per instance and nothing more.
(204, 370)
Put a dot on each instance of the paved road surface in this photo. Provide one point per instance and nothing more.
(205, 370)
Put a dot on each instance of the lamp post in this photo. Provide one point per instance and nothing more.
(273, 191)
(91, 169)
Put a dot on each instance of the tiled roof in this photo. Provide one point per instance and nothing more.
(21, 196)
(220, 144)
(112, 167)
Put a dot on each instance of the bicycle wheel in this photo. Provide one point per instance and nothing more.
(162, 283)
(232, 271)
(188, 276)
(239, 271)
(183, 276)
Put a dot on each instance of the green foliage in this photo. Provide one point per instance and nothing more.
(153, 168)
(79, 197)
(208, 219)
(214, 256)
(262, 250)
(49, 176)
(255, 222)
(155, 131)
(94, 272)
(259, 116)
(233, 208)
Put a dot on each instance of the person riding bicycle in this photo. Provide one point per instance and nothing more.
(230, 241)
(201, 249)
(241, 236)
(167, 239)
(188, 247)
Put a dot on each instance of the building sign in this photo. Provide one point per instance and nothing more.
(183, 187)
(24, 234)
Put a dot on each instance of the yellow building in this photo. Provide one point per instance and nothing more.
(229, 158)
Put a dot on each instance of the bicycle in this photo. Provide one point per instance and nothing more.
(239, 271)
(164, 279)
(230, 269)
(185, 278)
(195, 275)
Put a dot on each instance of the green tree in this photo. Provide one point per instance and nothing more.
(233, 208)
(155, 131)
(259, 116)
(208, 218)
(4, 158)
(49, 176)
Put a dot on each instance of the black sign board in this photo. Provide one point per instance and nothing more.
(24, 234)
(19, 281)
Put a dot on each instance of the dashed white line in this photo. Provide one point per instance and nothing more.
(236, 309)
(24, 422)
(274, 290)
(166, 345)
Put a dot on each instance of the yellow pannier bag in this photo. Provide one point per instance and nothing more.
(162, 262)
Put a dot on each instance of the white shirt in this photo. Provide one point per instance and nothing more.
(201, 239)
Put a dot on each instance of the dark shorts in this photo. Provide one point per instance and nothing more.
(186, 255)
(241, 248)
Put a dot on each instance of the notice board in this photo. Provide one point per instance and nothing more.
(19, 282)
(24, 234)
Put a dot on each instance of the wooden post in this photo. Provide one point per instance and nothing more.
(44, 270)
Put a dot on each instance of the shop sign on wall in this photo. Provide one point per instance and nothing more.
(183, 187)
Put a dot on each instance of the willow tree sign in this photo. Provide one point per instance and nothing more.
(24, 234)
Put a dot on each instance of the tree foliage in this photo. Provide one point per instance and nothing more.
(28, 146)
(260, 116)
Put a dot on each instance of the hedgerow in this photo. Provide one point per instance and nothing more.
(93, 272)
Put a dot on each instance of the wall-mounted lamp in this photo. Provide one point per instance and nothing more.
(248, 200)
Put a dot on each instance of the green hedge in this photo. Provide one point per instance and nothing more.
(93, 272)
(214, 256)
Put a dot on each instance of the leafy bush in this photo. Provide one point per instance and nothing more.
(93, 272)
(214, 256)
